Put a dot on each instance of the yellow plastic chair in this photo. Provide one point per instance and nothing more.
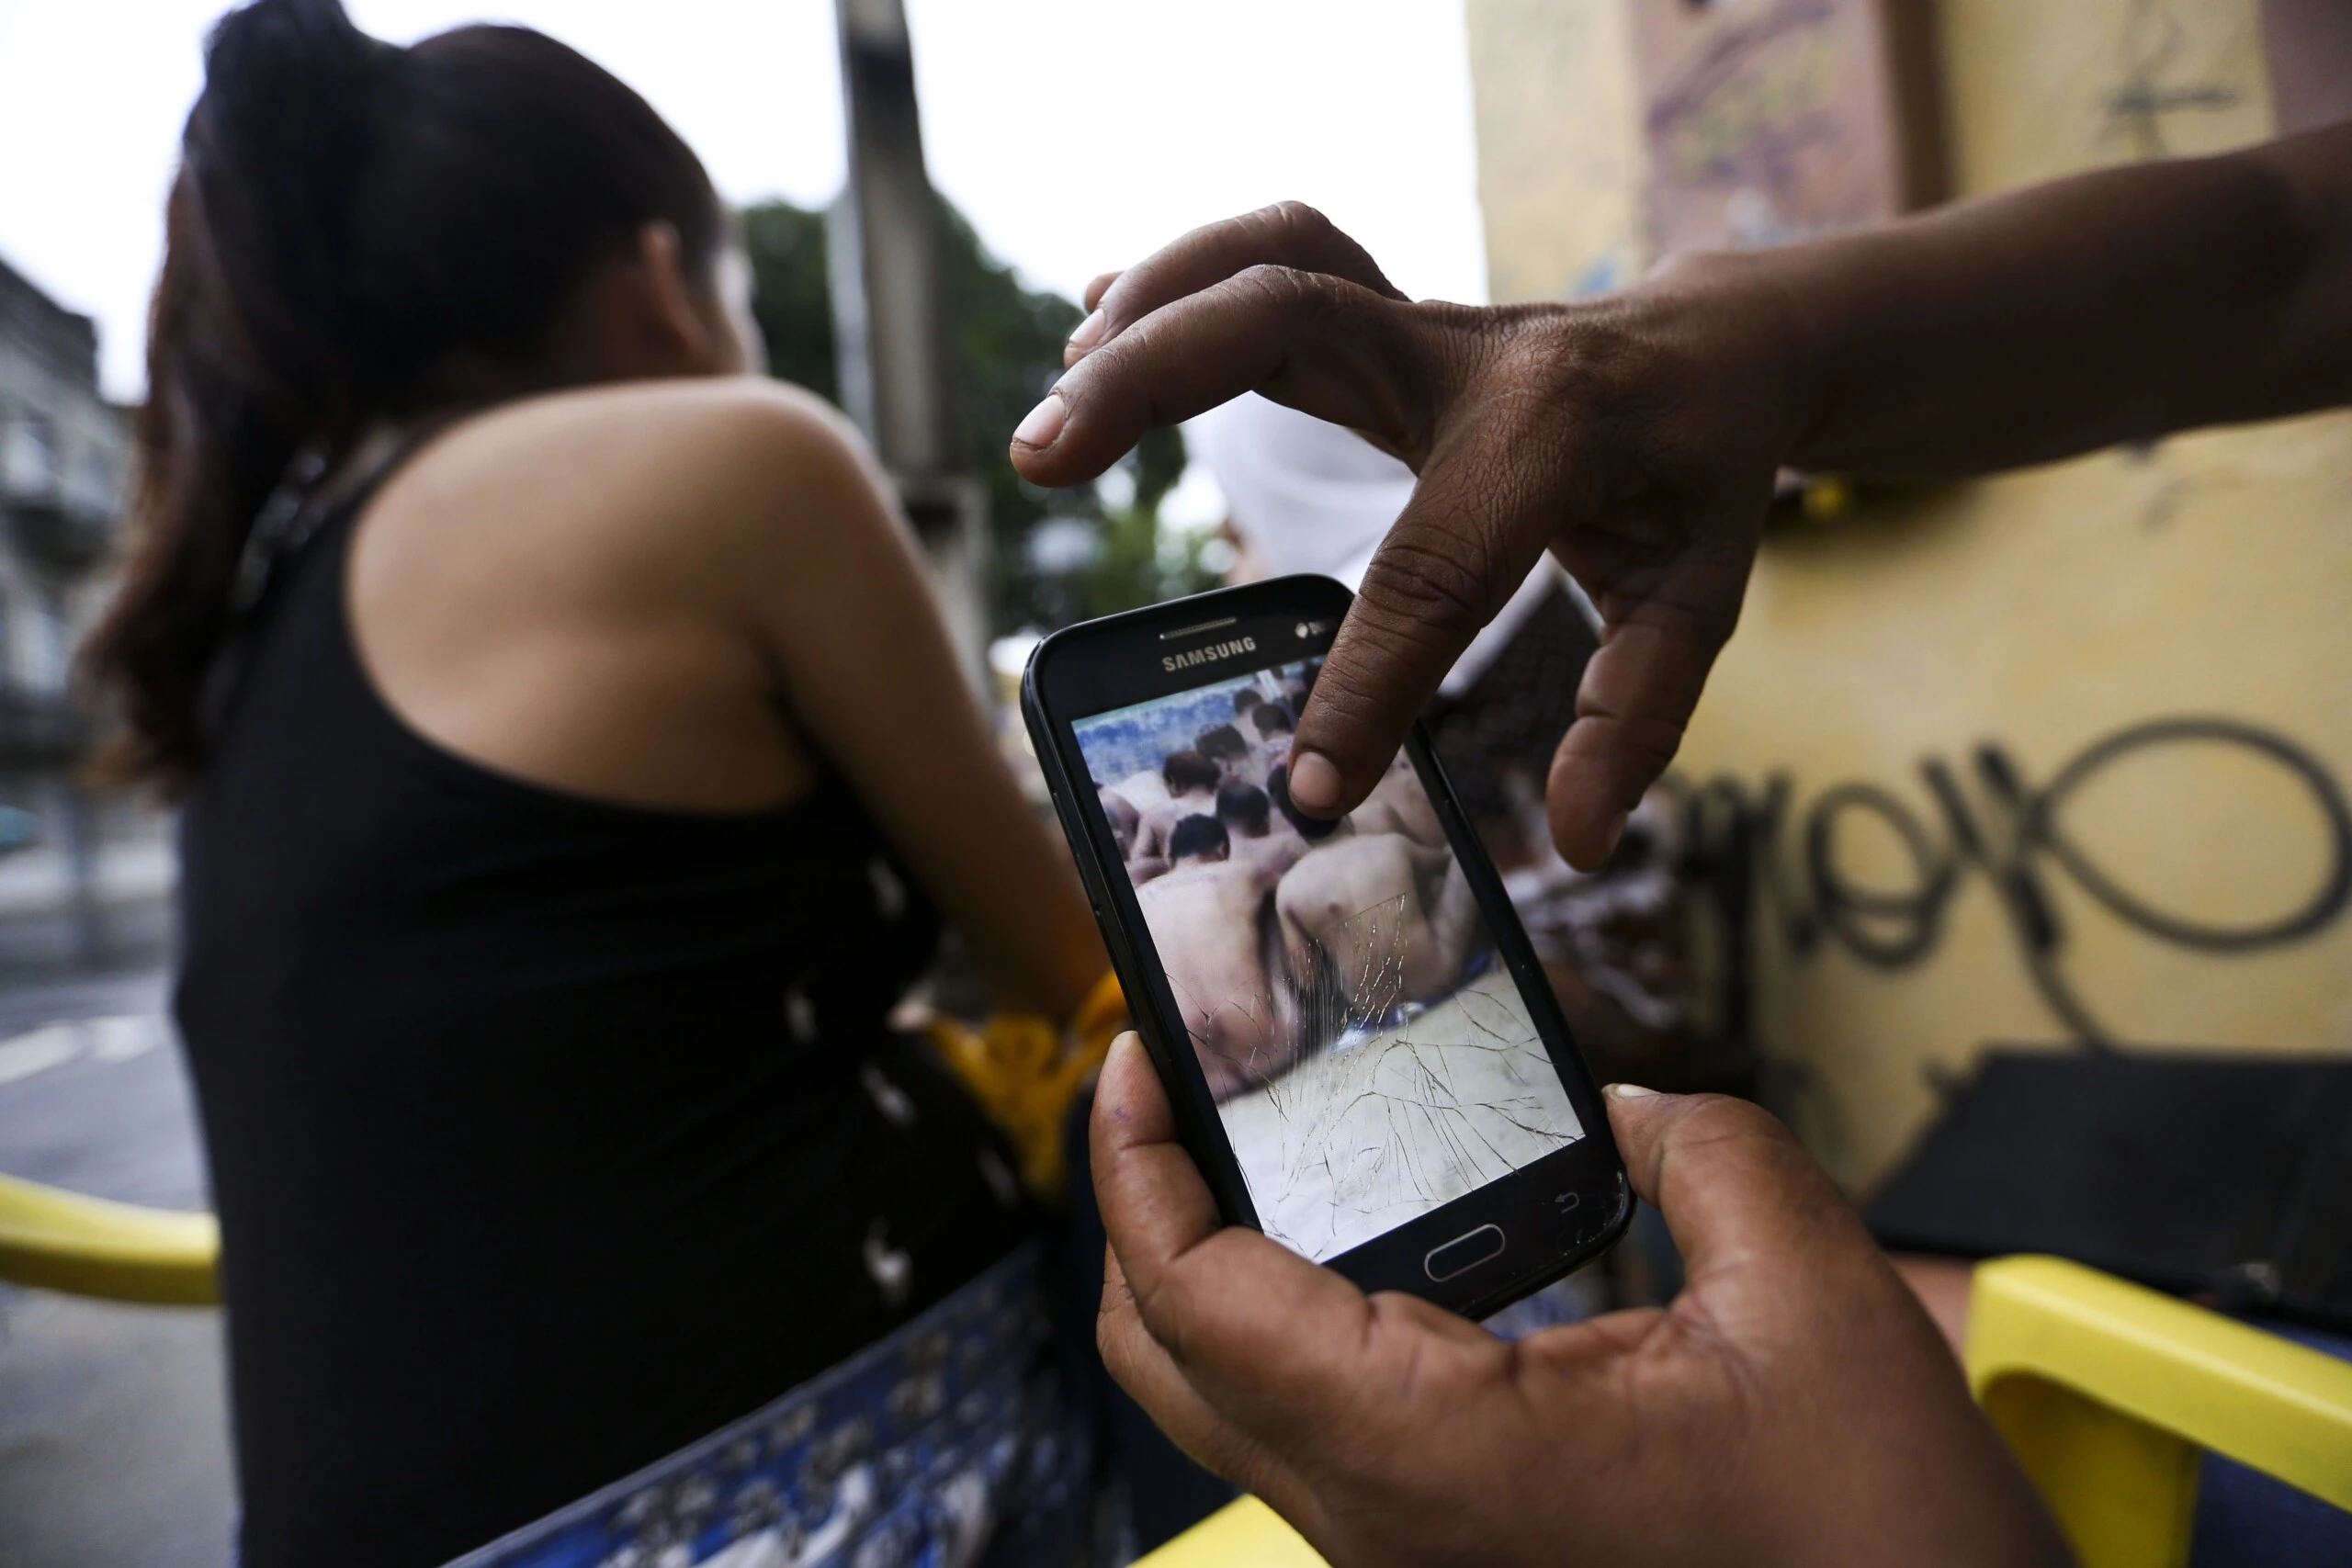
(2109, 1394)
(1246, 1534)
(90, 1246)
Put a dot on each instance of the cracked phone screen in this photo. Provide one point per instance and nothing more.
(1369, 1054)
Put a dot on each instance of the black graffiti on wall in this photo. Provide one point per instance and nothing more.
(2007, 830)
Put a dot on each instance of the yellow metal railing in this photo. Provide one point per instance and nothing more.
(92, 1247)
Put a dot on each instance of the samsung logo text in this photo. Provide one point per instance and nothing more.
(1209, 654)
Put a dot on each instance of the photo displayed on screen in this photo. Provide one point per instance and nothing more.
(1369, 1054)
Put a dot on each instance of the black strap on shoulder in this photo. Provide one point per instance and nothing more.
(302, 503)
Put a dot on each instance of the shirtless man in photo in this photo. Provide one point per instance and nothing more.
(1206, 918)
(1189, 782)
(1400, 805)
(1258, 835)
(1225, 746)
(1142, 790)
(1269, 725)
(1126, 831)
(1124, 819)
(1377, 919)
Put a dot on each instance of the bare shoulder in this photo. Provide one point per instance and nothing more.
(681, 476)
(691, 437)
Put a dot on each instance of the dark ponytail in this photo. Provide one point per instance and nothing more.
(359, 232)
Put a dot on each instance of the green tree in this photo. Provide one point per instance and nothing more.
(789, 297)
(1008, 350)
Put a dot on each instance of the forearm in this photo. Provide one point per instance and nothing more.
(2116, 305)
(831, 583)
(1029, 932)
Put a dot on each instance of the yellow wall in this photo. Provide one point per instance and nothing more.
(2211, 576)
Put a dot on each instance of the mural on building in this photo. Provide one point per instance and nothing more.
(1776, 119)
(1993, 823)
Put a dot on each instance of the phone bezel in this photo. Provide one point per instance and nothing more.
(1554, 1214)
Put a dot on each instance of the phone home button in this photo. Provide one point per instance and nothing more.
(1464, 1253)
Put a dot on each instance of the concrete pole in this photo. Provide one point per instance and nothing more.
(898, 373)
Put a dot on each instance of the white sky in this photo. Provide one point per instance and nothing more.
(1077, 134)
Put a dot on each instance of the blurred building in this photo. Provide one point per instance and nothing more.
(64, 454)
(2129, 673)
(69, 858)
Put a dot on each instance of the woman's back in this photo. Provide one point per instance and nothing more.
(548, 1131)
(564, 817)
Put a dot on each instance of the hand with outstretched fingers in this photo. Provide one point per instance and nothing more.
(1793, 1406)
(1635, 436)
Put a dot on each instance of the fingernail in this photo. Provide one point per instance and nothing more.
(1043, 422)
(1629, 1091)
(1089, 334)
(1314, 781)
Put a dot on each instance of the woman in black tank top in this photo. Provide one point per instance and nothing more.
(545, 898)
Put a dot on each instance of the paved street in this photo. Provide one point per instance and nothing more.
(113, 1440)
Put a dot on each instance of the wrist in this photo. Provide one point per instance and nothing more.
(1753, 334)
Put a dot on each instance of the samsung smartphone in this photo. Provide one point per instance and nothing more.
(1363, 1055)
